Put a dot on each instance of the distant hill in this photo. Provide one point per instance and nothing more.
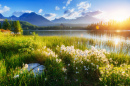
(79, 21)
(39, 20)
(27, 25)
(1, 16)
(13, 17)
(32, 18)
(35, 19)
(85, 20)
(61, 20)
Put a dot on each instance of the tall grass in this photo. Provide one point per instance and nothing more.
(69, 61)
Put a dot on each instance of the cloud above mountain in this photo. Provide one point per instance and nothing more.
(84, 5)
(50, 16)
(92, 13)
(68, 11)
(16, 13)
(40, 11)
(4, 9)
(81, 8)
(19, 13)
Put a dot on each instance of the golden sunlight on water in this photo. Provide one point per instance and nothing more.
(116, 40)
(118, 31)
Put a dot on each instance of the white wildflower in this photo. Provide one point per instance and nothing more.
(45, 79)
(64, 69)
(32, 49)
(75, 58)
(100, 79)
(77, 72)
(44, 47)
(23, 64)
(16, 76)
(26, 66)
(85, 69)
(81, 62)
(97, 66)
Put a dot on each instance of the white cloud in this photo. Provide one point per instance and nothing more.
(57, 8)
(103, 16)
(68, 2)
(84, 5)
(92, 13)
(19, 13)
(64, 7)
(4, 9)
(50, 16)
(69, 11)
(27, 11)
(82, 10)
(0, 5)
(40, 11)
(71, 14)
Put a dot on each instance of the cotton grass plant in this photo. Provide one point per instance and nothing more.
(68, 60)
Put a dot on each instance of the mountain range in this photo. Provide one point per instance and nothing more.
(39, 20)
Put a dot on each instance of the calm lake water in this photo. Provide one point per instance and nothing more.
(103, 35)
(117, 36)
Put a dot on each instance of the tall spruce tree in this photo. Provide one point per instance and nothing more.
(0, 25)
(11, 24)
(17, 27)
(6, 25)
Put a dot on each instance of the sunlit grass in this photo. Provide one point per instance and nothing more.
(68, 60)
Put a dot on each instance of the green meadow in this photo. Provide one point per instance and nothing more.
(68, 61)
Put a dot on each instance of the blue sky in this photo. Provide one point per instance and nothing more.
(70, 9)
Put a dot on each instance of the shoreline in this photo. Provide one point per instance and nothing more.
(76, 30)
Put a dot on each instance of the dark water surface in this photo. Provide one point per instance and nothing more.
(107, 34)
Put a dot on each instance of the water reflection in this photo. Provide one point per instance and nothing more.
(115, 36)
(118, 30)
(116, 40)
(100, 35)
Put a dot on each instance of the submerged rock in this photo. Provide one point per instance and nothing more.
(35, 68)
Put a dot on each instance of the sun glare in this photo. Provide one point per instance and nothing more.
(119, 18)
(119, 15)
(116, 40)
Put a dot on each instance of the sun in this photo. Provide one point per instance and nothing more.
(120, 18)
(119, 15)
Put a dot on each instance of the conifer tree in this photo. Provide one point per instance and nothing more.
(17, 27)
(6, 25)
(11, 24)
(0, 25)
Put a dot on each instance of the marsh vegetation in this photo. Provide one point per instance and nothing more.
(68, 61)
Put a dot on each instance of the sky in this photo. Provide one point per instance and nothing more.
(69, 9)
